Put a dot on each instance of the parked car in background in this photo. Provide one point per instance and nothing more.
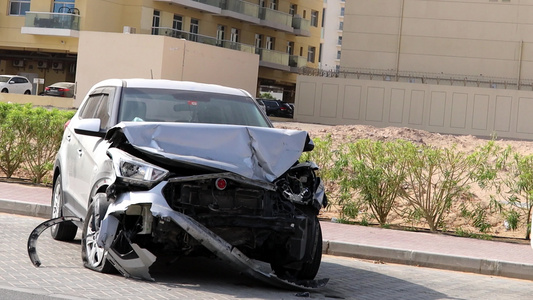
(15, 84)
(159, 167)
(277, 108)
(60, 89)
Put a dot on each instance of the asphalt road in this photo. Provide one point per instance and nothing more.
(62, 276)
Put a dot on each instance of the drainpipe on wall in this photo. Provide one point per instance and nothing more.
(399, 41)
(521, 48)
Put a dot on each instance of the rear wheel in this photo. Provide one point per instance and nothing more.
(28, 92)
(313, 249)
(65, 231)
(94, 257)
(4, 91)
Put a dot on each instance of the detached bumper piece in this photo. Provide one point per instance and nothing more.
(32, 240)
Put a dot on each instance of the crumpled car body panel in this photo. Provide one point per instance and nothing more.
(253, 152)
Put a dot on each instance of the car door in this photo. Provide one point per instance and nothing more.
(85, 151)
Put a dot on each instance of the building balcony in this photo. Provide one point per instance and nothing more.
(267, 58)
(248, 12)
(273, 59)
(241, 10)
(296, 62)
(56, 24)
(276, 19)
(212, 6)
(301, 26)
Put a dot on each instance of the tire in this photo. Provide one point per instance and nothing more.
(4, 91)
(313, 257)
(94, 257)
(65, 231)
(28, 92)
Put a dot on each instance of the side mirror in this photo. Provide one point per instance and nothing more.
(89, 127)
(11, 81)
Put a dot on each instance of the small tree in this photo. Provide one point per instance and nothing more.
(377, 172)
(435, 177)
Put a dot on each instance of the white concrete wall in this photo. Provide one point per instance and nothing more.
(116, 55)
(46, 101)
(436, 108)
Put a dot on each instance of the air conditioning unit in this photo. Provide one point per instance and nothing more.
(129, 29)
(18, 63)
(57, 66)
(42, 64)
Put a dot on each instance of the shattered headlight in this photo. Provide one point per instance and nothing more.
(134, 170)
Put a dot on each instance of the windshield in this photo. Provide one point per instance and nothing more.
(162, 105)
(4, 78)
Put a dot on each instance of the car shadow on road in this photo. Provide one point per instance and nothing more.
(203, 274)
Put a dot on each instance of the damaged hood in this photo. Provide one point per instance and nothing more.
(253, 152)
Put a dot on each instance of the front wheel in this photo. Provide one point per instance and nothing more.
(4, 91)
(94, 257)
(65, 231)
(28, 92)
(311, 263)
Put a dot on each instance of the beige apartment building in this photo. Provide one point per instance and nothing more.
(40, 38)
(448, 66)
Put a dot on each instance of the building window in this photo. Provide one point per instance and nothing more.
(339, 40)
(293, 9)
(341, 25)
(274, 4)
(258, 40)
(262, 3)
(220, 35)
(270, 43)
(194, 29)
(63, 6)
(342, 11)
(155, 22)
(314, 18)
(338, 54)
(311, 54)
(19, 7)
(234, 37)
(290, 48)
(177, 23)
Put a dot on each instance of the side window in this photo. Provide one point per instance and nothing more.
(99, 105)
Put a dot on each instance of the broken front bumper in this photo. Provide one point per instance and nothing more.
(137, 266)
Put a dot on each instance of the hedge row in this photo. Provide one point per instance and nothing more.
(422, 183)
(29, 140)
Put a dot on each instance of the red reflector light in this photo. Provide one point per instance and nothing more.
(63, 90)
(66, 124)
(221, 184)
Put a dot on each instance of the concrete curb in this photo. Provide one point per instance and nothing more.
(430, 260)
(24, 208)
(339, 248)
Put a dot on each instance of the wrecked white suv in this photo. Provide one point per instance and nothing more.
(151, 168)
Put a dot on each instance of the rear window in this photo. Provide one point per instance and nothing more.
(161, 105)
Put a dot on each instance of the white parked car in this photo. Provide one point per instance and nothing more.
(15, 84)
(152, 167)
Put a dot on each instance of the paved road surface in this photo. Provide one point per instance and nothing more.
(63, 276)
